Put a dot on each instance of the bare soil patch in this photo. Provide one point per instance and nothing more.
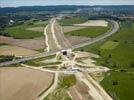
(34, 44)
(101, 23)
(23, 83)
(36, 29)
(109, 45)
(15, 50)
(76, 39)
(71, 28)
(80, 92)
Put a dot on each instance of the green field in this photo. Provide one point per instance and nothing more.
(119, 85)
(6, 58)
(60, 93)
(37, 62)
(73, 20)
(67, 81)
(89, 31)
(120, 59)
(109, 45)
(21, 32)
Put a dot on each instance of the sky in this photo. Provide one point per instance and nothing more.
(16, 3)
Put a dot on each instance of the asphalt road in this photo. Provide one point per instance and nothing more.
(114, 29)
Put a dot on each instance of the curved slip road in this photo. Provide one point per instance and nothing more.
(114, 29)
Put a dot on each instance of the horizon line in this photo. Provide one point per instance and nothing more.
(65, 5)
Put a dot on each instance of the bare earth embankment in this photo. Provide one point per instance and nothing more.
(23, 83)
(101, 23)
(71, 28)
(74, 40)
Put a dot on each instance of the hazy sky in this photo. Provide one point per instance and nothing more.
(15, 3)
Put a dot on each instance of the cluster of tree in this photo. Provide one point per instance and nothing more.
(108, 61)
(36, 8)
(131, 64)
(114, 9)
(4, 58)
(115, 82)
(21, 17)
(4, 33)
(44, 12)
(111, 10)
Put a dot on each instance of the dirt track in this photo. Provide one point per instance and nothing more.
(23, 83)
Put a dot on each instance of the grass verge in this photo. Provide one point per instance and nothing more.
(21, 32)
(89, 31)
(37, 62)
